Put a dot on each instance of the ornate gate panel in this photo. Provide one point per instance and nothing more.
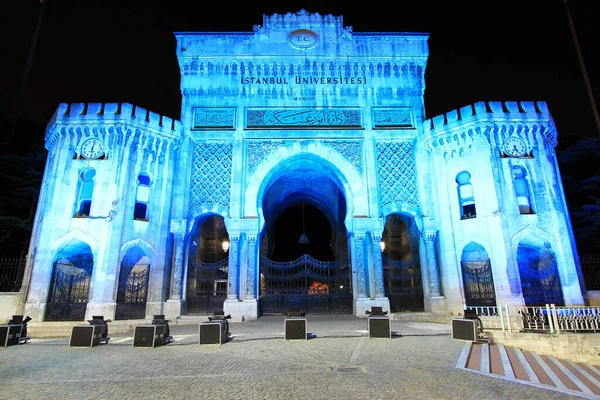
(206, 286)
(403, 284)
(69, 293)
(312, 286)
(540, 285)
(132, 294)
(478, 282)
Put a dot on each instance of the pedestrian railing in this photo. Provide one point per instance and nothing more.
(11, 273)
(542, 319)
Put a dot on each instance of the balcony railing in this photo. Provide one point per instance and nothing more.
(542, 319)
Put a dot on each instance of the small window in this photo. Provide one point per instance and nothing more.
(85, 191)
(466, 198)
(142, 198)
(522, 189)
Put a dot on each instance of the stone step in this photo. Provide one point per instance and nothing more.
(523, 366)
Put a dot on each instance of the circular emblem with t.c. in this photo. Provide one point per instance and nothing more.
(92, 148)
(303, 39)
(514, 146)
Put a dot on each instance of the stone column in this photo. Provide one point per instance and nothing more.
(359, 240)
(232, 284)
(252, 267)
(377, 264)
(176, 284)
(432, 264)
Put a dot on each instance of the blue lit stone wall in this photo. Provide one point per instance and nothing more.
(304, 108)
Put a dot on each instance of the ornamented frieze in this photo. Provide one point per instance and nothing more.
(304, 118)
(214, 118)
(392, 118)
(351, 150)
(258, 151)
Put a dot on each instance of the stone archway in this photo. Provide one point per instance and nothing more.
(313, 276)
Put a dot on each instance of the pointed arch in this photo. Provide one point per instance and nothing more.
(478, 281)
(70, 282)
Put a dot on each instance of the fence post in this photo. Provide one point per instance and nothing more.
(501, 317)
(555, 316)
(508, 318)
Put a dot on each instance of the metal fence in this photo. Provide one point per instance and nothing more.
(542, 319)
(11, 273)
(590, 266)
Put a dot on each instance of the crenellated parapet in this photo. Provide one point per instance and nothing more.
(303, 18)
(82, 120)
(489, 124)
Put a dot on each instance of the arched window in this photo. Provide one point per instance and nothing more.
(521, 189)
(466, 199)
(142, 198)
(85, 191)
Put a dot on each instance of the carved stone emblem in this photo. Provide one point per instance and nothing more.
(303, 39)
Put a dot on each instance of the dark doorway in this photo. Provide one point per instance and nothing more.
(208, 266)
(302, 272)
(70, 284)
(401, 264)
(133, 285)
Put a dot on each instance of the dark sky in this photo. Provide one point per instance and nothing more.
(107, 51)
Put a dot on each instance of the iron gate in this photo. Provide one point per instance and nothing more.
(69, 291)
(132, 294)
(206, 286)
(403, 284)
(310, 285)
(540, 286)
(478, 283)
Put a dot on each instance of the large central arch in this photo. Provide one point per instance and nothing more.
(309, 282)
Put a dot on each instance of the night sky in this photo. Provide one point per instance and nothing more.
(104, 51)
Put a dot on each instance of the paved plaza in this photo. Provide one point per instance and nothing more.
(338, 361)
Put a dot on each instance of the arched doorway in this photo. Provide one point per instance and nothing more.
(478, 281)
(133, 285)
(70, 284)
(538, 270)
(304, 259)
(208, 266)
(402, 277)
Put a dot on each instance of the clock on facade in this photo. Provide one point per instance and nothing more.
(92, 148)
(514, 147)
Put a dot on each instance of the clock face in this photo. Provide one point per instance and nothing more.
(514, 147)
(92, 148)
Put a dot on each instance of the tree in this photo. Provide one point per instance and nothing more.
(22, 160)
(580, 171)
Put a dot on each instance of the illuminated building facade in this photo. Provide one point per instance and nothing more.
(298, 121)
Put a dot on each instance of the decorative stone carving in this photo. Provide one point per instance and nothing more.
(211, 174)
(351, 150)
(258, 151)
(360, 264)
(432, 264)
(178, 267)
(377, 264)
(232, 282)
(397, 173)
(303, 118)
(392, 118)
(251, 286)
(214, 118)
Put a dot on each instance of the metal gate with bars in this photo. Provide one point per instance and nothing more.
(69, 291)
(206, 286)
(478, 283)
(403, 284)
(540, 285)
(308, 284)
(132, 294)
